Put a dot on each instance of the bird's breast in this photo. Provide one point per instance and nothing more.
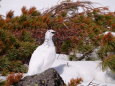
(51, 55)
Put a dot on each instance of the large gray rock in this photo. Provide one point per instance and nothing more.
(48, 78)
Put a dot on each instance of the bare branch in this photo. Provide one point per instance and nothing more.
(85, 5)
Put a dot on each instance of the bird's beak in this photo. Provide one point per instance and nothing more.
(54, 32)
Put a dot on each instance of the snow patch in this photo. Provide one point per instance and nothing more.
(87, 70)
(112, 33)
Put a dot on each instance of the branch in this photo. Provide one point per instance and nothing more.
(93, 84)
(85, 5)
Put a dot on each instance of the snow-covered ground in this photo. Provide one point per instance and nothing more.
(87, 70)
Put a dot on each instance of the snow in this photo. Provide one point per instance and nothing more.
(87, 70)
(2, 78)
(112, 33)
(44, 56)
(62, 57)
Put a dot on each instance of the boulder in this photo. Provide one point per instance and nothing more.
(49, 77)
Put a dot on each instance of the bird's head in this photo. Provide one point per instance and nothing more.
(49, 34)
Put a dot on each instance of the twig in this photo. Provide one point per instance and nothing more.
(58, 56)
(65, 25)
(67, 5)
(93, 84)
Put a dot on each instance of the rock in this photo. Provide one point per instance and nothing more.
(49, 77)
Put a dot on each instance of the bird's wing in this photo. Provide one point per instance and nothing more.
(38, 56)
(41, 57)
(37, 60)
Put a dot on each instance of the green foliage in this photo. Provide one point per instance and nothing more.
(22, 53)
(26, 36)
(109, 62)
(7, 41)
(14, 51)
(85, 48)
(66, 46)
(7, 66)
(2, 83)
(13, 54)
(72, 58)
(26, 49)
(108, 45)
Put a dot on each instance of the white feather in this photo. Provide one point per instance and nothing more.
(44, 56)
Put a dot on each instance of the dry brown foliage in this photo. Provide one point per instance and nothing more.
(13, 78)
(10, 14)
(75, 82)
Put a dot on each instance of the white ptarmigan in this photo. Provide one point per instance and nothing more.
(44, 56)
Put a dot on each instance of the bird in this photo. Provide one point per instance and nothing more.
(44, 55)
